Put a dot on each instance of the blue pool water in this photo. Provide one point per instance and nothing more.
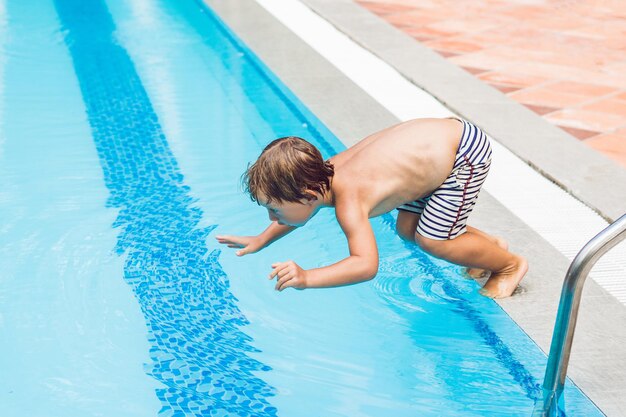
(124, 129)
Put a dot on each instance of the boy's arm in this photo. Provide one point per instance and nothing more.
(361, 265)
(252, 244)
(274, 232)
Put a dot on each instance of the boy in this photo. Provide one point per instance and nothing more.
(431, 170)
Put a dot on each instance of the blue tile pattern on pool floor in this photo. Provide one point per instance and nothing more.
(198, 349)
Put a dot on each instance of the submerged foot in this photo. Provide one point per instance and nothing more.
(477, 273)
(503, 283)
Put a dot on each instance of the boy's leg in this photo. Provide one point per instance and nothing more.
(497, 287)
(442, 229)
(495, 239)
(406, 224)
(473, 249)
(477, 273)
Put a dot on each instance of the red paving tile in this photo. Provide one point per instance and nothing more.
(473, 70)
(446, 54)
(505, 88)
(516, 79)
(541, 110)
(383, 8)
(406, 20)
(612, 145)
(587, 89)
(543, 96)
(582, 119)
(579, 133)
(563, 59)
(609, 105)
(431, 32)
(453, 45)
(463, 25)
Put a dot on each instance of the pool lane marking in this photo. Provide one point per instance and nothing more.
(198, 352)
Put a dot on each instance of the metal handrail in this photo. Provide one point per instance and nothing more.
(565, 324)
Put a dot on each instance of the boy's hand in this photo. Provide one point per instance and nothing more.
(288, 274)
(250, 244)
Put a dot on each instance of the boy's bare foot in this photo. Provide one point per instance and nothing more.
(503, 283)
(477, 273)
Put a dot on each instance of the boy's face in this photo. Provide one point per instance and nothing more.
(288, 213)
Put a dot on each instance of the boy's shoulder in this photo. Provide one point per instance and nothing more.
(348, 202)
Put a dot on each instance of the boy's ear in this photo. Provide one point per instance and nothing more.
(311, 196)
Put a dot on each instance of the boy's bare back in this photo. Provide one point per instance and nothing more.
(396, 165)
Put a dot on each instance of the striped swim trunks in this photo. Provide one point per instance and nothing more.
(444, 213)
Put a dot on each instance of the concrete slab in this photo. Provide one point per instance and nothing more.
(597, 363)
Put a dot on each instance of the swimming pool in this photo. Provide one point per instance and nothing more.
(125, 129)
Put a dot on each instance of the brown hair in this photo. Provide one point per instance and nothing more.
(286, 168)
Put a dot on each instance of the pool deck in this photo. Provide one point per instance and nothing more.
(598, 361)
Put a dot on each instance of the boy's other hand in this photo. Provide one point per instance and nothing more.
(288, 274)
(249, 244)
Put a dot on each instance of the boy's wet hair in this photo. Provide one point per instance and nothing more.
(286, 168)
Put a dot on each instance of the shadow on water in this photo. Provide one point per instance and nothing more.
(198, 350)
